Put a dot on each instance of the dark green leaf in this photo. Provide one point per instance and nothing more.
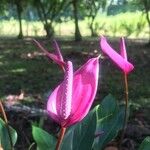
(4, 136)
(43, 139)
(81, 135)
(145, 145)
(109, 121)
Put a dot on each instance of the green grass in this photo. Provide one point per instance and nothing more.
(125, 24)
(38, 75)
(17, 71)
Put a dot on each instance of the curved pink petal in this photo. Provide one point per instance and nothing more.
(51, 105)
(58, 52)
(118, 59)
(55, 58)
(84, 90)
(123, 51)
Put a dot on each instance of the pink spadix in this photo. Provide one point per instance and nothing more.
(119, 59)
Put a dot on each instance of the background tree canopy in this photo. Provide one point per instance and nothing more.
(51, 13)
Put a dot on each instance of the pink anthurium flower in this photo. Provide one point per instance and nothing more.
(70, 102)
(119, 59)
(55, 57)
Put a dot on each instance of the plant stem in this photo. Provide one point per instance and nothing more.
(126, 109)
(6, 122)
(61, 136)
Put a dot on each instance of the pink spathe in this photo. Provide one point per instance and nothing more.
(123, 51)
(119, 59)
(56, 57)
(58, 52)
(70, 102)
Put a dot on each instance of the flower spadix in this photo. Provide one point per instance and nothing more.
(119, 59)
(70, 101)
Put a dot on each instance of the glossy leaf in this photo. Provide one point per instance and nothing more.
(81, 135)
(109, 121)
(4, 136)
(43, 139)
(145, 145)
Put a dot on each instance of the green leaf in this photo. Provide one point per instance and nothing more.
(4, 136)
(145, 145)
(43, 139)
(109, 121)
(81, 135)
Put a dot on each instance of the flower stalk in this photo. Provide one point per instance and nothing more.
(6, 122)
(122, 62)
(61, 136)
(126, 99)
(126, 109)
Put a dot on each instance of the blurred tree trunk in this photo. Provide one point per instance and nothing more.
(91, 28)
(19, 13)
(78, 36)
(44, 18)
(91, 11)
(47, 26)
(146, 4)
(50, 11)
(93, 33)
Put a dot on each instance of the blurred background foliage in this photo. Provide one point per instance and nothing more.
(75, 18)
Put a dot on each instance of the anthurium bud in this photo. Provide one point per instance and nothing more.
(119, 59)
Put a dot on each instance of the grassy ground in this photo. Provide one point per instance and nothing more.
(22, 67)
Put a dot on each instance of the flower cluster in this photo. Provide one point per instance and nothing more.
(71, 100)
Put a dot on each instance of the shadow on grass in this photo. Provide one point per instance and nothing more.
(23, 67)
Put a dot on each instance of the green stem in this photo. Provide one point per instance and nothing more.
(126, 109)
(6, 122)
(61, 136)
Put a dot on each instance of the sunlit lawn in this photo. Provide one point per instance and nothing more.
(128, 24)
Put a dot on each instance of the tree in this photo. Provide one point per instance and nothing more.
(20, 5)
(75, 4)
(146, 4)
(19, 8)
(48, 12)
(92, 9)
(3, 6)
